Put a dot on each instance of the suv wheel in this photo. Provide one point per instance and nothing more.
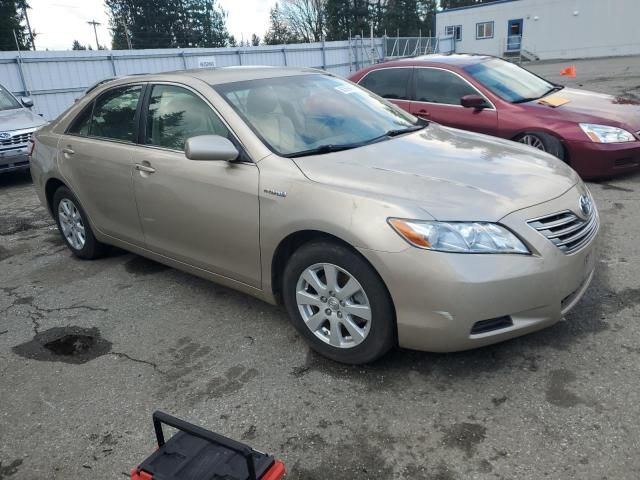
(338, 303)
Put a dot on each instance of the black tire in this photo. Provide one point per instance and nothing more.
(382, 330)
(550, 144)
(92, 248)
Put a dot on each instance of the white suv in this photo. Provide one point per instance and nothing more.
(17, 124)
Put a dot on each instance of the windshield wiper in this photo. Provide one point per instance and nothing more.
(330, 148)
(323, 149)
(400, 131)
(555, 88)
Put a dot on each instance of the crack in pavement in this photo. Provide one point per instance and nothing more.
(137, 360)
(40, 313)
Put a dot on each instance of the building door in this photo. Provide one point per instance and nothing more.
(514, 32)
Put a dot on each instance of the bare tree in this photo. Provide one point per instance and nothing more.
(305, 18)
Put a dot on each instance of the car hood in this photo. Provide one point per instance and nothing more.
(452, 174)
(19, 119)
(610, 110)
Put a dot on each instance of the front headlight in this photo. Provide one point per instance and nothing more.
(605, 134)
(458, 237)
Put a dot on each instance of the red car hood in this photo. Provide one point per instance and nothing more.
(607, 109)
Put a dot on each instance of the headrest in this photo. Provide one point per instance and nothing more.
(261, 101)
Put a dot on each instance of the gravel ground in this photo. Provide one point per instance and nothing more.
(562, 403)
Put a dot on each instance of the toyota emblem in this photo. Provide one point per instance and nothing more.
(585, 205)
(5, 135)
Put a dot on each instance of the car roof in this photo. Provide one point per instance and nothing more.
(219, 75)
(460, 60)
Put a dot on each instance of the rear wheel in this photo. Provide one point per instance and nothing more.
(74, 226)
(338, 302)
(543, 141)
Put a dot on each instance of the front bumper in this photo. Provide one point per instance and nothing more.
(14, 158)
(440, 297)
(600, 160)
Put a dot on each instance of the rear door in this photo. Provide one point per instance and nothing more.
(203, 213)
(392, 83)
(95, 156)
(437, 95)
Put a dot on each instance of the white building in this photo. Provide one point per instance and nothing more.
(546, 28)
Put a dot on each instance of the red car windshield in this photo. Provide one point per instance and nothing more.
(510, 82)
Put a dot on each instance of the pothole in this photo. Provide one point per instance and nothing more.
(65, 344)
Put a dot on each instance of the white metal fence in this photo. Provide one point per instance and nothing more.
(55, 79)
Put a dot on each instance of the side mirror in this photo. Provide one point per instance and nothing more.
(210, 147)
(26, 101)
(473, 101)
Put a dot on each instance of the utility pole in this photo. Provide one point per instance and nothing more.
(23, 4)
(95, 31)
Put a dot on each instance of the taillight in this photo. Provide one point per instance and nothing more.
(31, 147)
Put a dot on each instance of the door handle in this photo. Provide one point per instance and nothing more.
(68, 151)
(422, 112)
(145, 168)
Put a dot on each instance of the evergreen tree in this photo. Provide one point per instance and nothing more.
(78, 46)
(11, 20)
(255, 40)
(167, 23)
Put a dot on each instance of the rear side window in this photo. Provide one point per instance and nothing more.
(176, 114)
(114, 114)
(392, 83)
(440, 86)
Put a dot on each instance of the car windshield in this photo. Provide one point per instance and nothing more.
(510, 82)
(314, 114)
(7, 101)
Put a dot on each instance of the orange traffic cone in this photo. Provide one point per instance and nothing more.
(569, 71)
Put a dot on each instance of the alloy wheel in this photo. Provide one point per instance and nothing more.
(533, 141)
(71, 224)
(333, 305)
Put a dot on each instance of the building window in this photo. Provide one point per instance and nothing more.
(484, 30)
(454, 31)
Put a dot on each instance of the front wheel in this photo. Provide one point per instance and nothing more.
(338, 302)
(543, 141)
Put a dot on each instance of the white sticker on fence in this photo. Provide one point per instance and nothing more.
(206, 62)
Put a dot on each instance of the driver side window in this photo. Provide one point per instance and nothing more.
(439, 86)
(176, 114)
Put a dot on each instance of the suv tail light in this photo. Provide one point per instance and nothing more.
(31, 147)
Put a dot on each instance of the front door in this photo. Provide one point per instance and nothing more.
(203, 213)
(514, 32)
(437, 97)
(96, 157)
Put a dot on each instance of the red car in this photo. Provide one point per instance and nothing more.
(598, 135)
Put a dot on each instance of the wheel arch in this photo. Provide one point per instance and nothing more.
(293, 242)
(536, 131)
(50, 188)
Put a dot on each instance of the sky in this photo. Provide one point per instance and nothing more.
(59, 22)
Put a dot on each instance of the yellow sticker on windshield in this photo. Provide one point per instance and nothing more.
(553, 101)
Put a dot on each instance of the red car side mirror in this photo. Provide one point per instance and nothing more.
(473, 101)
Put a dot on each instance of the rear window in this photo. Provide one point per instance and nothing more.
(391, 83)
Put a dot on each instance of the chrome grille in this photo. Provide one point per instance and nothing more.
(566, 230)
(16, 140)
